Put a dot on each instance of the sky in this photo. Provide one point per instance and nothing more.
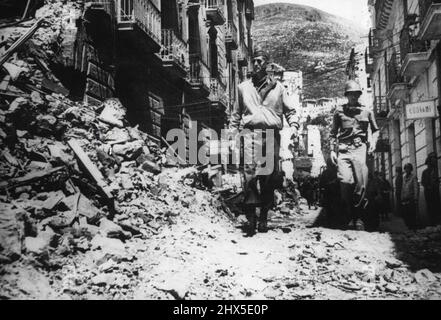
(349, 9)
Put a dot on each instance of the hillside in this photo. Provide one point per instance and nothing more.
(304, 38)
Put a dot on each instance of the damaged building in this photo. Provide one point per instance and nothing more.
(169, 62)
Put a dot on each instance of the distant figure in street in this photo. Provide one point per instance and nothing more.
(409, 197)
(296, 193)
(308, 190)
(398, 188)
(430, 182)
(373, 195)
(385, 190)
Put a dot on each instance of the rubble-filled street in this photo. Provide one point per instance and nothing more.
(198, 252)
(94, 208)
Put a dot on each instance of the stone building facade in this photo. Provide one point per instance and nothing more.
(403, 59)
(170, 62)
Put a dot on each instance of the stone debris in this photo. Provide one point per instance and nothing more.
(95, 206)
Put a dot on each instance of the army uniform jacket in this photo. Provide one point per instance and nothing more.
(263, 109)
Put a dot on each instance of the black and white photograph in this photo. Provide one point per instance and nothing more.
(220, 150)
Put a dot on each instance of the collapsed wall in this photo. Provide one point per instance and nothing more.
(75, 175)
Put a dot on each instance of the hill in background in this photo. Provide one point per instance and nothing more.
(304, 38)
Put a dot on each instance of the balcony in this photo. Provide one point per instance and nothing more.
(369, 62)
(218, 95)
(414, 53)
(215, 11)
(397, 86)
(142, 14)
(199, 75)
(174, 53)
(430, 18)
(374, 43)
(381, 109)
(231, 36)
(242, 54)
(100, 5)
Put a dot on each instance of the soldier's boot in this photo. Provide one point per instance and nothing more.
(250, 229)
(263, 221)
(358, 219)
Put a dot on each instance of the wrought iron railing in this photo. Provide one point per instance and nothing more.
(142, 12)
(148, 17)
(242, 53)
(218, 92)
(231, 34)
(409, 43)
(393, 70)
(107, 5)
(126, 11)
(198, 74)
(369, 62)
(374, 43)
(381, 108)
(215, 4)
(174, 48)
(424, 6)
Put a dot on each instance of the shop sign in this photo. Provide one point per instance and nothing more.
(421, 110)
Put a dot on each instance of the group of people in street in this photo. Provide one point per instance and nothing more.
(351, 194)
(407, 193)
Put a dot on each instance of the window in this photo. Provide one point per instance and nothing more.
(156, 112)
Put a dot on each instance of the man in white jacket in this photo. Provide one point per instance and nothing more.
(262, 102)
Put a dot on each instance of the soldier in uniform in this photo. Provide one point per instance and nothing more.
(349, 149)
(262, 102)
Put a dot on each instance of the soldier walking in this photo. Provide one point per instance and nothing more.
(350, 146)
(262, 102)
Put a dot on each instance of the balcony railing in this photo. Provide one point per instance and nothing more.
(215, 11)
(393, 70)
(381, 108)
(215, 4)
(424, 6)
(126, 11)
(409, 43)
(369, 62)
(106, 5)
(430, 19)
(143, 13)
(374, 43)
(231, 36)
(218, 92)
(199, 73)
(173, 49)
(242, 53)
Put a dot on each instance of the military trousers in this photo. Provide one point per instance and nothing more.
(353, 176)
(261, 168)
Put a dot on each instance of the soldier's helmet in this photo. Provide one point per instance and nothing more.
(352, 86)
(258, 51)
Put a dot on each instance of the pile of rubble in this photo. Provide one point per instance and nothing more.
(74, 176)
(68, 171)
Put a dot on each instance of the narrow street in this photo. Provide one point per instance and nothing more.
(203, 255)
(95, 203)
